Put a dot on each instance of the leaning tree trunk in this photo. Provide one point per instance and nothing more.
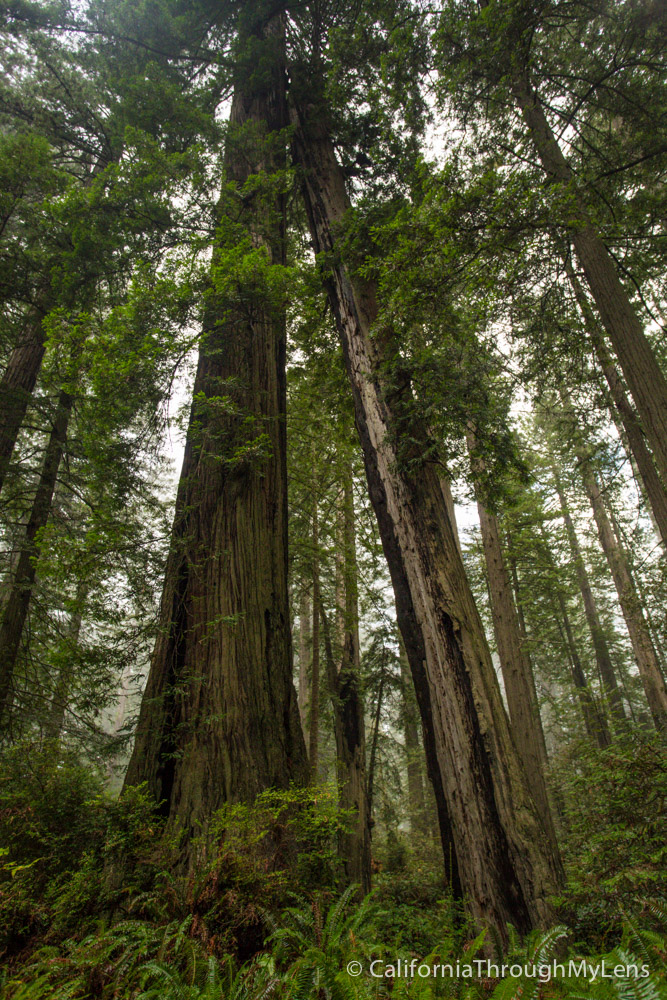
(640, 637)
(25, 361)
(516, 670)
(507, 867)
(219, 720)
(602, 654)
(645, 379)
(17, 606)
(17, 385)
(654, 490)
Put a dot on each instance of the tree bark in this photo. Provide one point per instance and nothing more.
(352, 739)
(602, 654)
(446, 488)
(640, 637)
(15, 612)
(516, 669)
(17, 385)
(304, 647)
(644, 377)
(350, 735)
(219, 718)
(594, 721)
(314, 720)
(413, 751)
(507, 869)
(377, 715)
(55, 722)
(653, 489)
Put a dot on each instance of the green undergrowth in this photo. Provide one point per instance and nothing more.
(93, 902)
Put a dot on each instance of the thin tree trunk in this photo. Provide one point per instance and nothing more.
(374, 739)
(594, 721)
(352, 777)
(350, 735)
(61, 692)
(413, 751)
(602, 654)
(641, 592)
(642, 646)
(304, 648)
(596, 725)
(344, 684)
(16, 609)
(516, 668)
(219, 718)
(556, 798)
(523, 635)
(639, 365)
(507, 868)
(653, 489)
(314, 723)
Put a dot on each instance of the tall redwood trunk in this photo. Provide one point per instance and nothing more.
(349, 713)
(219, 720)
(516, 670)
(17, 606)
(506, 864)
(314, 717)
(645, 379)
(62, 688)
(640, 637)
(304, 649)
(602, 654)
(595, 722)
(654, 489)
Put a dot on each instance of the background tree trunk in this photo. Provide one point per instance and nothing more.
(594, 721)
(413, 751)
(653, 489)
(314, 719)
(639, 365)
(344, 684)
(304, 651)
(517, 671)
(61, 692)
(602, 654)
(640, 637)
(15, 611)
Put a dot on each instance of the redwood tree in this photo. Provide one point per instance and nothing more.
(488, 818)
(219, 720)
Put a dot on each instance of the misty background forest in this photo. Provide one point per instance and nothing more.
(333, 499)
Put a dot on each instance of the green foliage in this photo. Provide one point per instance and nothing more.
(315, 945)
(616, 812)
(69, 852)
